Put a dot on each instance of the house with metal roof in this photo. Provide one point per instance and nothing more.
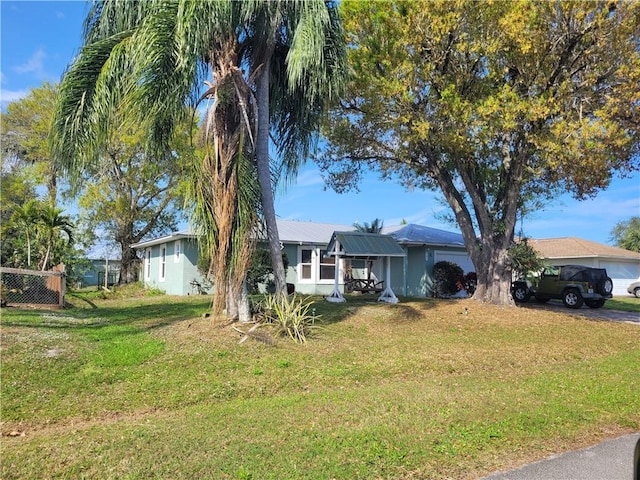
(400, 260)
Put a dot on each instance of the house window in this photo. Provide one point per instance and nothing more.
(327, 266)
(177, 251)
(163, 262)
(148, 264)
(313, 267)
(306, 264)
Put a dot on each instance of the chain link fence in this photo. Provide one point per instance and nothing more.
(29, 288)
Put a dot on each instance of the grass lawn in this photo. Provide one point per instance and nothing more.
(625, 303)
(147, 388)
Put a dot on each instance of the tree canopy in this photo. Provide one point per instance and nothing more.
(500, 105)
(25, 131)
(627, 234)
(129, 196)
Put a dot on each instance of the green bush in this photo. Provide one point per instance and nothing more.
(446, 278)
(291, 315)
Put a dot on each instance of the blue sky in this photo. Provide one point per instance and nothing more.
(39, 39)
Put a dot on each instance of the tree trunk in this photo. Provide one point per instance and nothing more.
(488, 252)
(231, 305)
(238, 307)
(244, 307)
(494, 277)
(129, 264)
(264, 175)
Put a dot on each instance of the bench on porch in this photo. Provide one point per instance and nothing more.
(363, 285)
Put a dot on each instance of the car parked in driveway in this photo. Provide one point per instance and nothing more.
(634, 289)
(575, 285)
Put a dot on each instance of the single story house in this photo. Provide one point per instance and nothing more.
(93, 274)
(623, 266)
(170, 262)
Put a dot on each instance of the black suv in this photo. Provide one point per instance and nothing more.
(573, 284)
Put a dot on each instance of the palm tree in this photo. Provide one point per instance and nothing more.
(26, 218)
(298, 57)
(375, 227)
(143, 61)
(51, 226)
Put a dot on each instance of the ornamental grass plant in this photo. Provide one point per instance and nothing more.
(294, 316)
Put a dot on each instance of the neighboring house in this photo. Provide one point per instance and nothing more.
(310, 269)
(170, 264)
(623, 266)
(94, 274)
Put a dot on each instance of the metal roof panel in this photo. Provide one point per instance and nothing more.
(361, 244)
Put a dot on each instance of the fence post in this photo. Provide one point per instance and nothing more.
(62, 290)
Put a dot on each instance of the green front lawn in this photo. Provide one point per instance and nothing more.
(148, 388)
(626, 304)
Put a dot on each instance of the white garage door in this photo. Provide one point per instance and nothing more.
(622, 274)
(459, 258)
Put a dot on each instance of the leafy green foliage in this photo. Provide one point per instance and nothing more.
(44, 237)
(627, 234)
(261, 270)
(446, 278)
(130, 196)
(524, 258)
(25, 130)
(293, 316)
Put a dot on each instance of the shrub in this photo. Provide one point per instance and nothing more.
(446, 276)
(261, 271)
(290, 314)
(468, 282)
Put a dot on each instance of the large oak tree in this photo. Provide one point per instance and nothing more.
(499, 105)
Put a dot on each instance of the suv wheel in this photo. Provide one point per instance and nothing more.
(594, 303)
(605, 287)
(521, 294)
(636, 292)
(572, 298)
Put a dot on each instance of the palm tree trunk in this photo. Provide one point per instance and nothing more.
(46, 257)
(28, 248)
(244, 308)
(264, 175)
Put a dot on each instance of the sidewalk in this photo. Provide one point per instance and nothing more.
(609, 460)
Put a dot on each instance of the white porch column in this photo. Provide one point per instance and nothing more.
(336, 295)
(387, 295)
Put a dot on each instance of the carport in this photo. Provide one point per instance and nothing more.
(364, 246)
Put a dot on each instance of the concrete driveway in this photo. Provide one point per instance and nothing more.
(594, 313)
(610, 460)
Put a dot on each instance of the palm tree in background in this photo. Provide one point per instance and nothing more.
(26, 217)
(53, 225)
(279, 61)
(375, 227)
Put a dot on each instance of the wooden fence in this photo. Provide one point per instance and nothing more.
(31, 288)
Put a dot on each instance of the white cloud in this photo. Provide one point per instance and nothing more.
(309, 178)
(34, 65)
(8, 96)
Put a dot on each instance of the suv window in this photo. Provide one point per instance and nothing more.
(575, 273)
